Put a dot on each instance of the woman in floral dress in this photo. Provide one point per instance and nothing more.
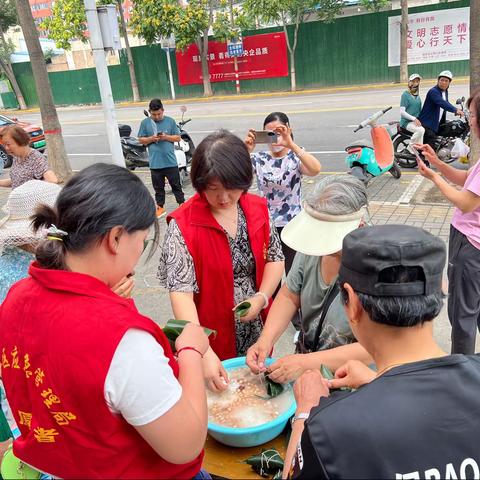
(279, 173)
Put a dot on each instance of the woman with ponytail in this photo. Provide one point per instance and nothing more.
(93, 384)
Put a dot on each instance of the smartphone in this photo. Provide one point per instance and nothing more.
(160, 134)
(418, 157)
(415, 152)
(265, 136)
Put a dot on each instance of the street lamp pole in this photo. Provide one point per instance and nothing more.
(106, 96)
(235, 60)
(167, 44)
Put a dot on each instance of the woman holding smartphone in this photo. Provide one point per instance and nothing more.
(279, 172)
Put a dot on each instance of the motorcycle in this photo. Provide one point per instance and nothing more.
(448, 133)
(136, 154)
(366, 159)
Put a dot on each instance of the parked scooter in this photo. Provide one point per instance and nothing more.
(136, 154)
(448, 133)
(366, 159)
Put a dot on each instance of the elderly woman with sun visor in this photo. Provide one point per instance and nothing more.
(337, 206)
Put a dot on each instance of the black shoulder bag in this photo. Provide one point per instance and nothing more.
(332, 292)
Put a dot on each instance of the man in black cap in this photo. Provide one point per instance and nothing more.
(418, 415)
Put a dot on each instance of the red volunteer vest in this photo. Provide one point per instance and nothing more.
(207, 243)
(58, 333)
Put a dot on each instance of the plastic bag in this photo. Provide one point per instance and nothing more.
(460, 149)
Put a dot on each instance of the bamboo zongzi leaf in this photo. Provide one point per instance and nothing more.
(328, 375)
(273, 388)
(266, 463)
(174, 328)
(242, 309)
(326, 372)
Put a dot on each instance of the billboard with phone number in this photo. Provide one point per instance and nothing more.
(264, 56)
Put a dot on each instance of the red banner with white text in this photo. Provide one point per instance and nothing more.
(264, 56)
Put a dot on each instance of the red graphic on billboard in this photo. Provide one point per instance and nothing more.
(264, 56)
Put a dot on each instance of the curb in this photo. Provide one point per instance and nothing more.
(243, 96)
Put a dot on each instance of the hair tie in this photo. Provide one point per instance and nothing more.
(54, 233)
(50, 237)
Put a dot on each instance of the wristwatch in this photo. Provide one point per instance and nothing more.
(300, 416)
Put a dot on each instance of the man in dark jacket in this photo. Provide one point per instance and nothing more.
(418, 415)
(436, 106)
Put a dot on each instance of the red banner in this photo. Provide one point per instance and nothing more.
(264, 56)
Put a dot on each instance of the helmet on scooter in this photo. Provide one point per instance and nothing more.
(413, 77)
(446, 74)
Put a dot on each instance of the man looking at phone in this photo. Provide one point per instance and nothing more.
(159, 132)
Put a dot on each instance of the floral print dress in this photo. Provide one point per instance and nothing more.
(279, 181)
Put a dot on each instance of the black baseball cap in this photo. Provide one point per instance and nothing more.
(368, 251)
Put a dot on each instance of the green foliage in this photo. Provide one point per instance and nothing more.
(193, 21)
(374, 5)
(8, 15)
(283, 12)
(154, 19)
(6, 50)
(68, 21)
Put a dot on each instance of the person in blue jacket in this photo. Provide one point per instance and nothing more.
(436, 106)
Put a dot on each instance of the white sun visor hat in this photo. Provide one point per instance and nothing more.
(446, 73)
(319, 234)
(414, 76)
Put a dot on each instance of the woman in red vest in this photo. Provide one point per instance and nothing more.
(221, 249)
(93, 385)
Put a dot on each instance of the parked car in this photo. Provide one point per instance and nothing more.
(37, 137)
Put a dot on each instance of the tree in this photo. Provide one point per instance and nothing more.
(8, 18)
(295, 12)
(474, 65)
(154, 20)
(404, 42)
(377, 5)
(57, 155)
(68, 21)
(190, 23)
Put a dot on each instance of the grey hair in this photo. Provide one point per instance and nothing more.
(338, 195)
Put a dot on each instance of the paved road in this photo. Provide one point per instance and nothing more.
(323, 123)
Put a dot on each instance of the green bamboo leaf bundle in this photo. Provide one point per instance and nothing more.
(242, 309)
(174, 328)
(327, 374)
(273, 388)
(268, 463)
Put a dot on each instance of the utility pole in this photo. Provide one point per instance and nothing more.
(403, 42)
(170, 75)
(98, 50)
(235, 60)
(167, 44)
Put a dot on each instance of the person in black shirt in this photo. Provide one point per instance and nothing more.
(418, 416)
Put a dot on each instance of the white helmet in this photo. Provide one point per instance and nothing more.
(414, 76)
(447, 74)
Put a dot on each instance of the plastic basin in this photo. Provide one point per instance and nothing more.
(249, 437)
